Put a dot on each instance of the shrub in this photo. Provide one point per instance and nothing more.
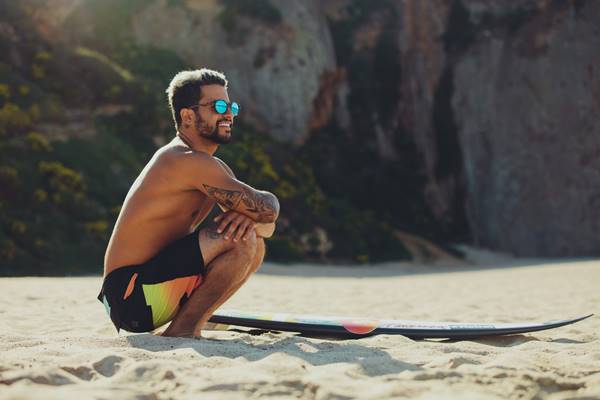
(98, 229)
(4, 91)
(9, 177)
(62, 178)
(18, 227)
(37, 142)
(40, 195)
(12, 117)
(8, 249)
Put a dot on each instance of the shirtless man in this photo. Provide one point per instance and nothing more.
(158, 266)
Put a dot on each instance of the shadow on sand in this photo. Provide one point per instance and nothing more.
(509, 340)
(373, 361)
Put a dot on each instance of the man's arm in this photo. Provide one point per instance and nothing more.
(261, 206)
(230, 173)
(208, 175)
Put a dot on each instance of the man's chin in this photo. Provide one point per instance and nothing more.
(219, 139)
(224, 139)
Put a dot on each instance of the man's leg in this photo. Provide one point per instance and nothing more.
(254, 266)
(229, 264)
(256, 263)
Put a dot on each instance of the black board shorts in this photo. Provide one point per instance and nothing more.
(141, 298)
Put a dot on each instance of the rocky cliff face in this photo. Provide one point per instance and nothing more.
(526, 100)
(500, 100)
(424, 61)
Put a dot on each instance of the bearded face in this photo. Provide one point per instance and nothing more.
(218, 131)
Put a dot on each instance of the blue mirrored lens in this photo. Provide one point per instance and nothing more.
(235, 108)
(221, 106)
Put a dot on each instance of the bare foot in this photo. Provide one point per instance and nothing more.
(182, 334)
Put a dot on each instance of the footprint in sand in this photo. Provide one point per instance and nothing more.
(108, 366)
(82, 372)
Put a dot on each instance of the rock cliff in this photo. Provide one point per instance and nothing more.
(526, 99)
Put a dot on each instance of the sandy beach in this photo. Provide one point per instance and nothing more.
(58, 343)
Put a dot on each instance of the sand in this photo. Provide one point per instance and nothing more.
(57, 342)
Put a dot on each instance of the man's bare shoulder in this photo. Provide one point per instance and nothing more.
(185, 163)
(176, 154)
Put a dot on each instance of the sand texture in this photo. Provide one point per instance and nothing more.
(57, 342)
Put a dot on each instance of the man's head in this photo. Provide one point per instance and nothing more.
(192, 96)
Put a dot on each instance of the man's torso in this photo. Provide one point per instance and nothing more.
(159, 208)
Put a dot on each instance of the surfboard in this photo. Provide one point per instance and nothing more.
(350, 327)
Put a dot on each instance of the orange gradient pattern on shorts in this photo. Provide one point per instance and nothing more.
(164, 298)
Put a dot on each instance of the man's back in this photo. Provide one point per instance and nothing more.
(159, 208)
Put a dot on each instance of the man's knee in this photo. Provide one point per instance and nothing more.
(255, 252)
(248, 247)
(259, 255)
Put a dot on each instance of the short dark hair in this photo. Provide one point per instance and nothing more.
(185, 89)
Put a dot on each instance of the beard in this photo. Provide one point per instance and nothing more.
(209, 132)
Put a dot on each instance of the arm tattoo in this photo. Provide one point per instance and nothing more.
(228, 198)
(263, 205)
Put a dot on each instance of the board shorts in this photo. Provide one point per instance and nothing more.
(143, 297)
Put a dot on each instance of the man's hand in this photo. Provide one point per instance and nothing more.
(235, 225)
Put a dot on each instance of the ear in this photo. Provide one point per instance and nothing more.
(187, 116)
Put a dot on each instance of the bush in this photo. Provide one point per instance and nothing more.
(38, 143)
(12, 117)
(61, 178)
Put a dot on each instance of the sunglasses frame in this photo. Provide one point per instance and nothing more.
(229, 106)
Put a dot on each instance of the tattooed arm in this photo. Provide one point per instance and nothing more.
(211, 177)
(259, 205)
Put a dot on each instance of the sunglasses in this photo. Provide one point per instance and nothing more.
(221, 106)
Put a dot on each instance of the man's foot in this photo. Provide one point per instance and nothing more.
(165, 333)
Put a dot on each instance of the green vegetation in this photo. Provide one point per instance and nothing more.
(59, 198)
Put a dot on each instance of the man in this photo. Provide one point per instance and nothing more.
(156, 258)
